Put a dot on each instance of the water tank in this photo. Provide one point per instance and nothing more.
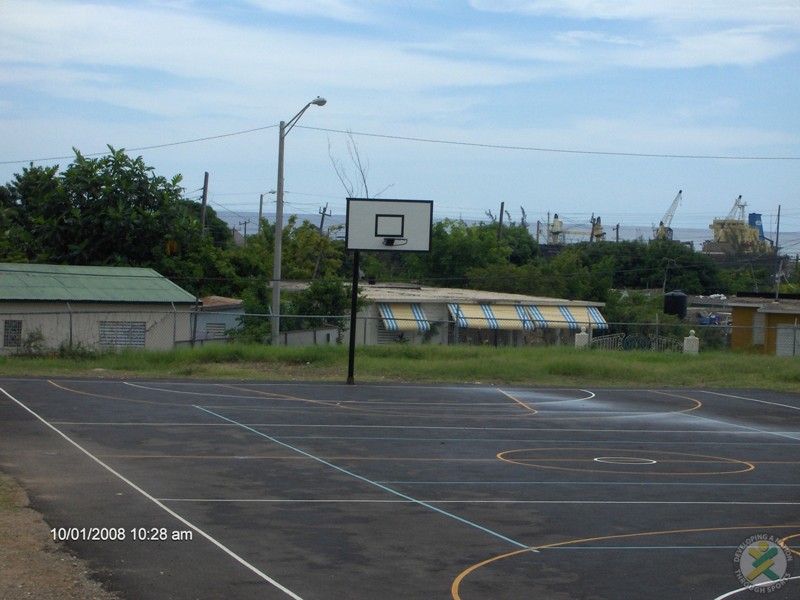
(754, 220)
(676, 303)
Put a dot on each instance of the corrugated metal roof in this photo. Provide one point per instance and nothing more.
(398, 292)
(66, 283)
(406, 293)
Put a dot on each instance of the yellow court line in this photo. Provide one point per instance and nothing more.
(455, 587)
(292, 457)
(697, 402)
(528, 462)
(389, 413)
(282, 396)
(788, 547)
(107, 397)
(533, 411)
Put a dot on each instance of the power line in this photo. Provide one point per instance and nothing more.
(154, 147)
(433, 141)
(552, 150)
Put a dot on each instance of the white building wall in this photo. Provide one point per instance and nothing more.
(79, 325)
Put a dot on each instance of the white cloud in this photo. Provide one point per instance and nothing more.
(193, 63)
(341, 10)
(774, 11)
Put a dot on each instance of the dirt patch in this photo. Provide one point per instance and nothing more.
(33, 565)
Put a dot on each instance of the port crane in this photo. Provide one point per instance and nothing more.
(556, 234)
(737, 212)
(664, 230)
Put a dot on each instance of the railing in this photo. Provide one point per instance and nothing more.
(34, 332)
(637, 341)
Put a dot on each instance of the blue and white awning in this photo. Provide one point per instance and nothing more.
(403, 317)
(490, 316)
(526, 317)
(567, 317)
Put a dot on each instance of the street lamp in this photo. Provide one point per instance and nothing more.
(285, 128)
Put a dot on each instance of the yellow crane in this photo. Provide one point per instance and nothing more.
(556, 234)
(664, 229)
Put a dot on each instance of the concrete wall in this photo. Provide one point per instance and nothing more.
(79, 325)
(742, 318)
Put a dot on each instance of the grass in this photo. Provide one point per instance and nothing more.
(551, 366)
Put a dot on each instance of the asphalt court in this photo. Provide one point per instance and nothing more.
(196, 489)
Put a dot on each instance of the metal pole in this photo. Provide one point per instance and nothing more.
(778, 256)
(351, 359)
(203, 206)
(260, 212)
(275, 320)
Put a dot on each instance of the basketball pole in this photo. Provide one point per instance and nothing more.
(351, 359)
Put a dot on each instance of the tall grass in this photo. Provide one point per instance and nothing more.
(552, 366)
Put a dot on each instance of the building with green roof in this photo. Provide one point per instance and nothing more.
(65, 306)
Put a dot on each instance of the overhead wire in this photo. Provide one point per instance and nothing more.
(437, 141)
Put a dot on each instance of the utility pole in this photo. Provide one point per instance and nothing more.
(324, 212)
(500, 227)
(260, 211)
(245, 227)
(778, 255)
(203, 207)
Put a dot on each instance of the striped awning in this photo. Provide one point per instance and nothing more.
(511, 316)
(553, 317)
(490, 316)
(589, 317)
(526, 317)
(473, 316)
(566, 317)
(403, 317)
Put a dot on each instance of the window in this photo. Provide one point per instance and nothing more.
(122, 334)
(215, 331)
(12, 334)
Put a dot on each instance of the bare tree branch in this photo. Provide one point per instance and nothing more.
(361, 167)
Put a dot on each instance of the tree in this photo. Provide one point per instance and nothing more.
(324, 302)
(308, 253)
(112, 210)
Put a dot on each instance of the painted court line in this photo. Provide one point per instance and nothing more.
(753, 588)
(752, 400)
(649, 432)
(431, 503)
(166, 509)
(366, 480)
(601, 483)
(753, 429)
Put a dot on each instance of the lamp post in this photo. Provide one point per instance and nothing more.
(285, 128)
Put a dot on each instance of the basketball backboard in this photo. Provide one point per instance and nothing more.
(388, 225)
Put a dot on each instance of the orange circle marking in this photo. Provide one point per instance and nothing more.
(542, 461)
(455, 587)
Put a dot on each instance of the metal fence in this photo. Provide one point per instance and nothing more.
(41, 332)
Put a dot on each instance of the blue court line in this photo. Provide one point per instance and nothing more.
(366, 480)
(641, 548)
(603, 483)
(530, 441)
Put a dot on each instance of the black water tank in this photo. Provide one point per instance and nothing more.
(675, 303)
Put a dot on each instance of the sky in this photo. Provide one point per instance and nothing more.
(575, 107)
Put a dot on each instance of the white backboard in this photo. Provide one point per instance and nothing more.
(389, 225)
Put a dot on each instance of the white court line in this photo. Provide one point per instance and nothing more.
(752, 400)
(371, 482)
(788, 435)
(477, 502)
(747, 589)
(166, 509)
(444, 427)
